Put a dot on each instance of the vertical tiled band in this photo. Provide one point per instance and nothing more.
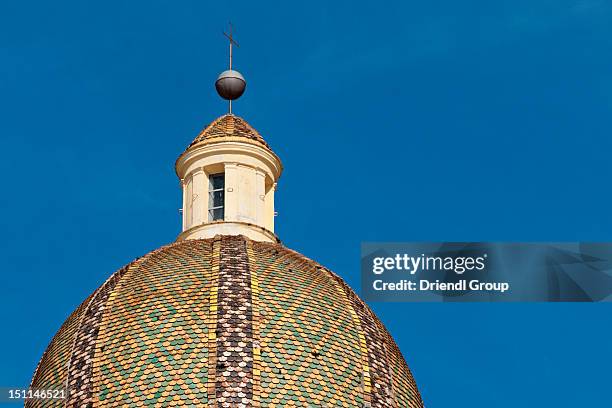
(392, 383)
(256, 335)
(52, 371)
(212, 323)
(405, 390)
(80, 367)
(381, 383)
(234, 369)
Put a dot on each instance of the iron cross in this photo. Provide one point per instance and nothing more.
(230, 37)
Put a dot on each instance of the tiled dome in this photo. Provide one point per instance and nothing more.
(228, 125)
(225, 322)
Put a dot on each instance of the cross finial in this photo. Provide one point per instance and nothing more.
(230, 37)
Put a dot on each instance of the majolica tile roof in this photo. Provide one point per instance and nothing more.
(228, 126)
(225, 322)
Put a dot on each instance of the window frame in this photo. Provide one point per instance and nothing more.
(211, 197)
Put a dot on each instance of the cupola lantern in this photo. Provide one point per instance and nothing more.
(228, 174)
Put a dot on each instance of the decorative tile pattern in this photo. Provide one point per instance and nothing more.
(234, 327)
(226, 322)
(310, 354)
(366, 382)
(152, 348)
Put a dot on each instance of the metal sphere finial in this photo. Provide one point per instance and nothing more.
(230, 85)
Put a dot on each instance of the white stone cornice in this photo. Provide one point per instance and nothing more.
(209, 230)
(230, 152)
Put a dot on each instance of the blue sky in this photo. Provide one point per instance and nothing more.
(407, 121)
